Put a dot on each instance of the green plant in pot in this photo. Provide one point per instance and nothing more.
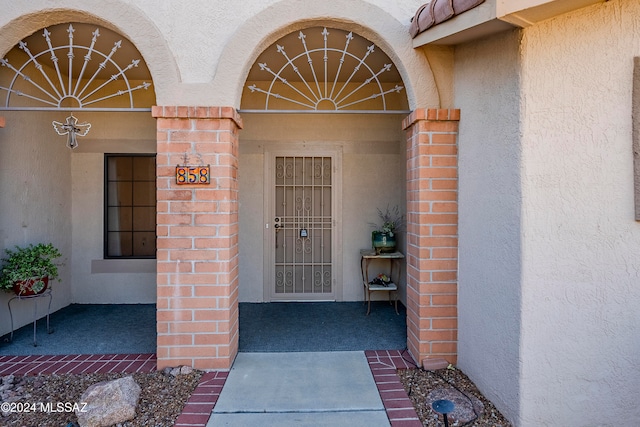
(392, 221)
(27, 270)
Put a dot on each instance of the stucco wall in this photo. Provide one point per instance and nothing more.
(580, 319)
(57, 195)
(35, 202)
(548, 243)
(95, 280)
(487, 93)
(373, 174)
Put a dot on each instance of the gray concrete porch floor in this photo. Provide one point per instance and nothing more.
(88, 329)
(300, 389)
(269, 327)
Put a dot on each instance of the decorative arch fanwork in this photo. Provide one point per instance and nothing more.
(322, 69)
(75, 66)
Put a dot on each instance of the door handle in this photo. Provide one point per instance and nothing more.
(277, 224)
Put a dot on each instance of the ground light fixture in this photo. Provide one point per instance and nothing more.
(443, 407)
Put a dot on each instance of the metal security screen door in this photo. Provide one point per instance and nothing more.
(303, 228)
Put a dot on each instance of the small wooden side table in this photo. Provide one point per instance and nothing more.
(366, 256)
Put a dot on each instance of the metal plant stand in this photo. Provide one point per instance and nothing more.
(46, 293)
(366, 255)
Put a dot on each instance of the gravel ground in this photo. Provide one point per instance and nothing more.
(164, 395)
(424, 387)
(161, 401)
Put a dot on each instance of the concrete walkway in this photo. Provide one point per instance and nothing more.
(300, 389)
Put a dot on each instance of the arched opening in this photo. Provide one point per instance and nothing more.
(321, 151)
(95, 201)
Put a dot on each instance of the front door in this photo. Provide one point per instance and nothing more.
(301, 231)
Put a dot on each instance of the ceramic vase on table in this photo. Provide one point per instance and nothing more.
(383, 242)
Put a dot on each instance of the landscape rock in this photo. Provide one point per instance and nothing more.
(434, 364)
(11, 390)
(180, 370)
(109, 403)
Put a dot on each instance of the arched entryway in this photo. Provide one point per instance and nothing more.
(322, 110)
(220, 137)
(78, 161)
(320, 151)
(206, 333)
(285, 117)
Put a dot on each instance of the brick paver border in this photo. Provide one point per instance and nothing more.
(77, 364)
(197, 410)
(383, 365)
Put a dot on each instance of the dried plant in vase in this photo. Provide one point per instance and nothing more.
(392, 221)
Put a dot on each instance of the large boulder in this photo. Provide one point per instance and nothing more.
(108, 403)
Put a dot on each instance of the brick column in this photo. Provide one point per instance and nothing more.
(432, 233)
(197, 227)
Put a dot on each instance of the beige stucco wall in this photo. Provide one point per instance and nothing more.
(580, 295)
(487, 93)
(95, 280)
(35, 202)
(548, 243)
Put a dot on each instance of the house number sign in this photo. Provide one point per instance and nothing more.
(193, 174)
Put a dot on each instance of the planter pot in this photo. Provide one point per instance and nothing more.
(33, 286)
(383, 242)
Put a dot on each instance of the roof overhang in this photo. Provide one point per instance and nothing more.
(494, 16)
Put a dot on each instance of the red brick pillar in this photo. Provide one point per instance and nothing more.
(197, 226)
(432, 233)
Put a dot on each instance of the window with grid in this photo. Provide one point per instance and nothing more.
(130, 206)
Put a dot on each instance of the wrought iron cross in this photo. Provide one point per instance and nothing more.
(71, 128)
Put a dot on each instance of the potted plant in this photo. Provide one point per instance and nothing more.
(392, 221)
(27, 270)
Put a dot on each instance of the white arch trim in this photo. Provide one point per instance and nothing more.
(359, 16)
